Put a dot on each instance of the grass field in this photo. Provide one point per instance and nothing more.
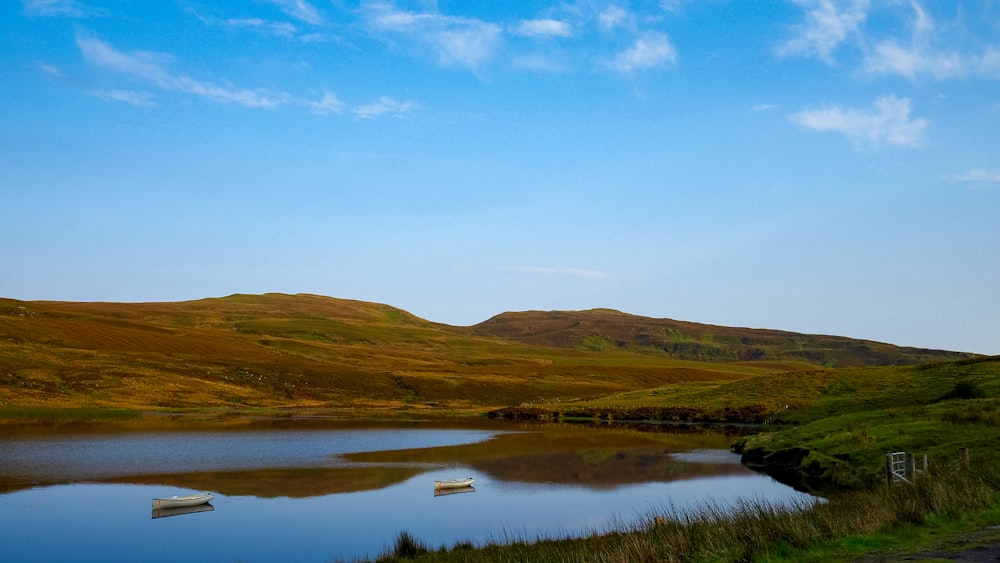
(308, 351)
(299, 351)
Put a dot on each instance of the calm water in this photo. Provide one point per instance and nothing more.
(312, 494)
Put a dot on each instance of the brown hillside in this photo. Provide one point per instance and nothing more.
(601, 329)
(297, 350)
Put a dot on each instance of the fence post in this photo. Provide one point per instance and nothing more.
(911, 467)
(888, 469)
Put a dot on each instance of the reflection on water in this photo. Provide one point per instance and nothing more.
(34, 459)
(180, 511)
(320, 494)
(456, 491)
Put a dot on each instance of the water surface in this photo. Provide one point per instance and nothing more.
(329, 492)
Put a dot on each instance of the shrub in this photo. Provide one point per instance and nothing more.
(963, 390)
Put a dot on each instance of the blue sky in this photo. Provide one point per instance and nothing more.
(806, 165)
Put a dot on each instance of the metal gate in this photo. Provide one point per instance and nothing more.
(898, 468)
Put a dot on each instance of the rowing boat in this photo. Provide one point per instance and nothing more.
(178, 502)
(454, 483)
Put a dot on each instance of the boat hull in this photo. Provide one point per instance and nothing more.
(182, 502)
(454, 483)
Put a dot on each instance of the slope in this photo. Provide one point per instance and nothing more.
(603, 329)
(295, 350)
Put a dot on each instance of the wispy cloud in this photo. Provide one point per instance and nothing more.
(300, 10)
(890, 56)
(887, 122)
(261, 26)
(921, 54)
(828, 23)
(543, 28)
(326, 105)
(913, 45)
(383, 106)
(613, 17)
(58, 8)
(151, 68)
(575, 272)
(981, 176)
(50, 69)
(539, 63)
(131, 97)
(651, 50)
(455, 41)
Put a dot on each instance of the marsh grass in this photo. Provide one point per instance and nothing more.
(750, 530)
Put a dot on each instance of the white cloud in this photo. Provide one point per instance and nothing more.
(51, 70)
(917, 47)
(539, 63)
(651, 50)
(988, 64)
(57, 8)
(612, 17)
(326, 105)
(131, 97)
(455, 41)
(674, 6)
(264, 27)
(382, 106)
(299, 9)
(150, 68)
(888, 122)
(980, 176)
(889, 57)
(576, 272)
(544, 28)
(828, 23)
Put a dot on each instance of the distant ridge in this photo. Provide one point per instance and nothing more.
(600, 329)
(312, 351)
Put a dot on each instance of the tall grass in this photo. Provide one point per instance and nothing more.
(749, 531)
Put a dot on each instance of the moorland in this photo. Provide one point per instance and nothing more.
(829, 407)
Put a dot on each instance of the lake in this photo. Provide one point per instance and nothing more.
(318, 490)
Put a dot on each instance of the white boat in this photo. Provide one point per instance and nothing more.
(179, 502)
(454, 483)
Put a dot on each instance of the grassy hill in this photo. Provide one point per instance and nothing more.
(319, 352)
(602, 329)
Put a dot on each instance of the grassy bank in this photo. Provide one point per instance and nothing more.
(898, 518)
(25, 414)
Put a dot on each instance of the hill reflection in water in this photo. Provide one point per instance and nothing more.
(332, 501)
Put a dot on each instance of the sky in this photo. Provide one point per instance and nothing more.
(817, 166)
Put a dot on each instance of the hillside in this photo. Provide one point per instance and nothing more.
(319, 352)
(601, 329)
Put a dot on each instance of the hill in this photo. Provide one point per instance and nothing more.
(311, 351)
(601, 329)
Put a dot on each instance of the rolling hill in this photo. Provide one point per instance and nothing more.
(310, 351)
(601, 329)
